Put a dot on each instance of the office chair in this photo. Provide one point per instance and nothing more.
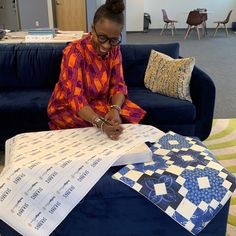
(224, 23)
(167, 22)
(194, 20)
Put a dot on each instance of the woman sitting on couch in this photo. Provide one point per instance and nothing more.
(91, 86)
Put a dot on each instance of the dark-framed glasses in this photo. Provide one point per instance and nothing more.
(102, 38)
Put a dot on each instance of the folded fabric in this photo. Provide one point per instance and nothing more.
(184, 180)
(168, 76)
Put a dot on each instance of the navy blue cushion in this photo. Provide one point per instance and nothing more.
(135, 60)
(24, 108)
(7, 65)
(30, 66)
(162, 109)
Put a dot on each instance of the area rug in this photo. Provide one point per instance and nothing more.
(222, 143)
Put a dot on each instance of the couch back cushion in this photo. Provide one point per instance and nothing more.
(30, 66)
(135, 60)
(7, 65)
(38, 65)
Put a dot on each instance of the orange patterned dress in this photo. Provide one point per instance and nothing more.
(88, 79)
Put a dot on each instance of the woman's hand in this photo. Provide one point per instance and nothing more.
(112, 131)
(113, 117)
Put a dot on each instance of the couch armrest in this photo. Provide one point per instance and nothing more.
(202, 91)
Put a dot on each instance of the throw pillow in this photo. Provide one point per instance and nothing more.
(168, 76)
(184, 180)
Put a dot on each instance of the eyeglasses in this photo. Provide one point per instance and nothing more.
(103, 39)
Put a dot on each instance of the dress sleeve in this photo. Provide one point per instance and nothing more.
(117, 83)
(70, 85)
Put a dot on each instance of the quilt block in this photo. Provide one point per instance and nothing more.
(184, 180)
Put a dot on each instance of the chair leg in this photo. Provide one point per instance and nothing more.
(204, 28)
(186, 35)
(226, 30)
(191, 27)
(163, 29)
(198, 33)
(216, 29)
(172, 29)
(167, 24)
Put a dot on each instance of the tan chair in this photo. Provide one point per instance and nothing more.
(224, 23)
(194, 20)
(167, 22)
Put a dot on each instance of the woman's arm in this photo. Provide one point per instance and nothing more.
(117, 90)
(118, 99)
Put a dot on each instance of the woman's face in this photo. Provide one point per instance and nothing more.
(105, 35)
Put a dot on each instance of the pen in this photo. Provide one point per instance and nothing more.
(105, 121)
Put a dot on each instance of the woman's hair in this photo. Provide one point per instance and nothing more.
(112, 10)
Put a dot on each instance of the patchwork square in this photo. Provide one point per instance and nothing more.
(170, 211)
(175, 169)
(134, 175)
(189, 226)
(149, 172)
(203, 182)
(188, 184)
(180, 180)
(173, 142)
(203, 206)
(162, 151)
(214, 204)
(183, 191)
(227, 184)
(160, 189)
(186, 209)
(187, 157)
(137, 187)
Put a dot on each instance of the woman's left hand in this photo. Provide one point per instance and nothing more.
(113, 117)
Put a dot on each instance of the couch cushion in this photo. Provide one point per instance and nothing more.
(7, 65)
(169, 76)
(163, 109)
(21, 109)
(30, 66)
(124, 216)
(135, 60)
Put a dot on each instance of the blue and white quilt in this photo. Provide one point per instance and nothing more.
(184, 180)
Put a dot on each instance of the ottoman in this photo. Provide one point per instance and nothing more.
(113, 209)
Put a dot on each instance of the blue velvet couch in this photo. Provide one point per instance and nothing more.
(28, 74)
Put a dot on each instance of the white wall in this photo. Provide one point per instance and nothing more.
(176, 9)
(134, 15)
(33, 13)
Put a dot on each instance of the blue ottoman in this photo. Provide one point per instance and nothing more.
(234, 26)
(113, 209)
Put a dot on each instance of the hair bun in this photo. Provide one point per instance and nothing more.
(115, 6)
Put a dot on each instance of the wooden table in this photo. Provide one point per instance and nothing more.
(61, 37)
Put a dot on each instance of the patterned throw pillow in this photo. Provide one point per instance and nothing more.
(168, 76)
(184, 180)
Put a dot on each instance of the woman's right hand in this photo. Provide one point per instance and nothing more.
(112, 131)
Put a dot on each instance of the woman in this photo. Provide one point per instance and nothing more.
(91, 89)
